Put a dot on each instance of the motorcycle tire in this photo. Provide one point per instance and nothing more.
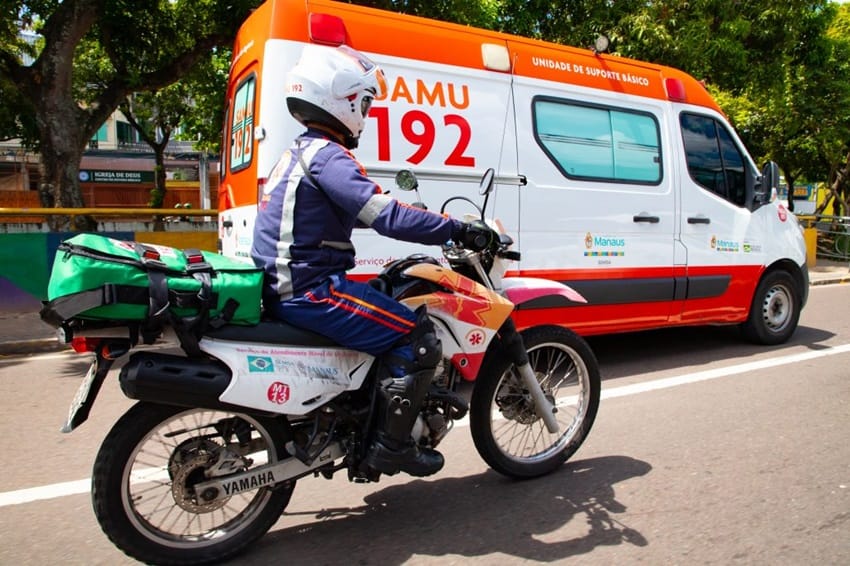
(142, 484)
(506, 430)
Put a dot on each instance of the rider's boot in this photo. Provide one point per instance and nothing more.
(399, 401)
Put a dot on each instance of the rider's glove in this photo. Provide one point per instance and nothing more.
(475, 236)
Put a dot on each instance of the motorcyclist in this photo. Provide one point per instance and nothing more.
(315, 195)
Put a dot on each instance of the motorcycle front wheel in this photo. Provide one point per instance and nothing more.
(506, 430)
(143, 477)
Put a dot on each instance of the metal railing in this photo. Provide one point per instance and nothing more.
(123, 213)
(833, 235)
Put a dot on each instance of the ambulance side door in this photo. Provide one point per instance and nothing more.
(724, 240)
(598, 210)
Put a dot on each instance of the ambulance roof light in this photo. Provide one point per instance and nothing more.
(495, 57)
(675, 90)
(327, 29)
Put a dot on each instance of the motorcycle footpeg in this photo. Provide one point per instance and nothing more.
(455, 401)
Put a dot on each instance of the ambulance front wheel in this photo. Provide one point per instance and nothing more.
(775, 310)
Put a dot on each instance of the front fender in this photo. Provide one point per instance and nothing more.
(521, 290)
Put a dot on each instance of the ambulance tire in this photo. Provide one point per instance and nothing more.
(775, 310)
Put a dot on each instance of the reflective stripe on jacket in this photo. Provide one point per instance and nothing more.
(303, 229)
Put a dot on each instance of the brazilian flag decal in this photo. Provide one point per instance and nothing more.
(260, 364)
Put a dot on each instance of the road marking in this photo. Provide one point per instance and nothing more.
(78, 487)
(709, 374)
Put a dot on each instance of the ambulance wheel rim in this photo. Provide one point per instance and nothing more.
(777, 308)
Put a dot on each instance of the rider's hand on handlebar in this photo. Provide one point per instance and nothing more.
(475, 236)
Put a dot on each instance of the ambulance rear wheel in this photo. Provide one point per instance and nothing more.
(775, 310)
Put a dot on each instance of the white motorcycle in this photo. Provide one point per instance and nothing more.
(207, 460)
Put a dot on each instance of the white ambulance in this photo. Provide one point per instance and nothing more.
(620, 178)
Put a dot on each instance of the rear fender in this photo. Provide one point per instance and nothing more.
(521, 290)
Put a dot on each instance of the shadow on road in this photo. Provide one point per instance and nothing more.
(471, 516)
(687, 347)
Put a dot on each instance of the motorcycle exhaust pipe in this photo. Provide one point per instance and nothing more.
(176, 380)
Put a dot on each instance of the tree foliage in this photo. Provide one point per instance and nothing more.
(128, 46)
(776, 68)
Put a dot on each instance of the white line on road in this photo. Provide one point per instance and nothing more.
(706, 375)
(55, 490)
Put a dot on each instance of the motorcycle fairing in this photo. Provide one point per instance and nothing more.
(472, 302)
(287, 380)
(467, 320)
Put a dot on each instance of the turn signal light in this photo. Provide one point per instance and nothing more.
(675, 90)
(83, 345)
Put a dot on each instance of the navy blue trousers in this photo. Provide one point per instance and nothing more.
(353, 314)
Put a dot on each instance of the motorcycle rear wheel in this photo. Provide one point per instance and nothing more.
(142, 484)
(507, 432)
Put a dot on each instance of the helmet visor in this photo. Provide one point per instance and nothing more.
(365, 105)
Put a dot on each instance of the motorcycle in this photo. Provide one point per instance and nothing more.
(207, 459)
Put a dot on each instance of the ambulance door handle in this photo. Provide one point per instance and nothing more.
(646, 217)
(699, 220)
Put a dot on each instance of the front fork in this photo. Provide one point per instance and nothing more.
(512, 341)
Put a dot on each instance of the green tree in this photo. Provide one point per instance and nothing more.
(148, 45)
(207, 84)
(479, 13)
(155, 115)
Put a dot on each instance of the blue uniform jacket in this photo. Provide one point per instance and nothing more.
(303, 229)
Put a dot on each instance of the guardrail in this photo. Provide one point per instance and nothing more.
(108, 212)
(39, 215)
(833, 235)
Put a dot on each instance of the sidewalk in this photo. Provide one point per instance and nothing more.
(25, 333)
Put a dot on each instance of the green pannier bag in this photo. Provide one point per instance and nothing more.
(104, 279)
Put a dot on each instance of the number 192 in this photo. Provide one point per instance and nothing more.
(419, 129)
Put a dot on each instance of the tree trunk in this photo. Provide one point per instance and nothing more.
(60, 183)
(789, 182)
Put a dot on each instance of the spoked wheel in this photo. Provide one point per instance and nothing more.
(505, 427)
(144, 476)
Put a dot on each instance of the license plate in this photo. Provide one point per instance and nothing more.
(81, 398)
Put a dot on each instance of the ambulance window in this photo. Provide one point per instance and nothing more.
(714, 161)
(599, 143)
(222, 154)
(242, 125)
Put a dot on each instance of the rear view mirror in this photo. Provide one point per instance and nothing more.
(406, 180)
(487, 182)
(769, 185)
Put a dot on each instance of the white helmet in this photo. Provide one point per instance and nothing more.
(334, 86)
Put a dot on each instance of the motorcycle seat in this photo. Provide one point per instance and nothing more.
(271, 332)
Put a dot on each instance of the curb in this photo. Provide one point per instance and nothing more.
(831, 281)
(36, 346)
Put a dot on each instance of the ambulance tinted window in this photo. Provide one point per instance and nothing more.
(242, 125)
(714, 160)
(599, 143)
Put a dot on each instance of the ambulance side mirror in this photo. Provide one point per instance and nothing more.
(769, 186)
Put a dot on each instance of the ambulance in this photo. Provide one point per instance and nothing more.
(620, 178)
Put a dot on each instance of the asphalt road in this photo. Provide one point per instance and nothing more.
(706, 450)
